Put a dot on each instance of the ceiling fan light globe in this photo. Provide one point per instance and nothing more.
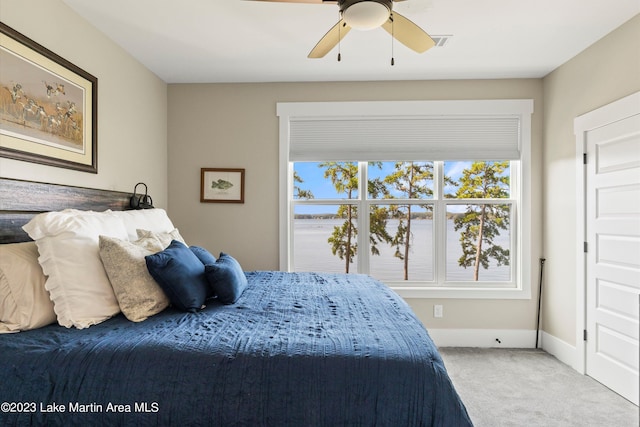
(366, 15)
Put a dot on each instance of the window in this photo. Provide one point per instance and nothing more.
(400, 198)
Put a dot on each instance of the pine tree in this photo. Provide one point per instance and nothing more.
(378, 215)
(410, 180)
(481, 223)
(344, 177)
(299, 192)
(343, 240)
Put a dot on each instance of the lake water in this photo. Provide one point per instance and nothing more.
(312, 252)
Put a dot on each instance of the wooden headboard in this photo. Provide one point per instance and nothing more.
(22, 200)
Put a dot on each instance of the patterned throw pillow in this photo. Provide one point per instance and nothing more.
(138, 294)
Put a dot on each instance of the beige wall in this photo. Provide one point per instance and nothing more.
(235, 125)
(132, 102)
(605, 72)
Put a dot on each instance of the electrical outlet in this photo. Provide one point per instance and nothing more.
(437, 311)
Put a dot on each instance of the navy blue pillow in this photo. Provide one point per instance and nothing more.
(180, 274)
(203, 255)
(226, 278)
(205, 258)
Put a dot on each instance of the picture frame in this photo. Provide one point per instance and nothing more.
(48, 106)
(219, 185)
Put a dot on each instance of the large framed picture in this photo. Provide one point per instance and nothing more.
(48, 106)
(221, 185)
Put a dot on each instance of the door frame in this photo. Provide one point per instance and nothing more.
(615, 111)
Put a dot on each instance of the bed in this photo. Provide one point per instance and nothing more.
(293, 349)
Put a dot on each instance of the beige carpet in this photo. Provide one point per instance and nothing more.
(521, 387)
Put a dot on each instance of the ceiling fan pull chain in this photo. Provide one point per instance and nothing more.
(393, 61)
(339, 43)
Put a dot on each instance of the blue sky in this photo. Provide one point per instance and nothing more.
(314, 179)
(322, 188)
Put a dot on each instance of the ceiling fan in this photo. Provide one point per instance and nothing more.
(366, 15)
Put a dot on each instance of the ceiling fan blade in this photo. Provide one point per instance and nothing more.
(300, 1)
(330, 40)
(408, 33)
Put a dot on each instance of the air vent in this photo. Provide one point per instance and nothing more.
(441, 40)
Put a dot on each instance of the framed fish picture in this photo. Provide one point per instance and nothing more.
(221, 185)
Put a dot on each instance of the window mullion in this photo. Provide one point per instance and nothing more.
(481, 201)
(289, 235)
(439, 226)
(325, 202)
(363, 219)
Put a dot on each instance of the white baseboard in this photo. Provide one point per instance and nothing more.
(505, 338)
(564, 352)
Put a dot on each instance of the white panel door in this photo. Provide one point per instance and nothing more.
(613, 255)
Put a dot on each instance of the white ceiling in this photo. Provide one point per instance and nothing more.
(211, 41)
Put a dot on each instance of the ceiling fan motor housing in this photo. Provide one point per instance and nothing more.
(365, 14)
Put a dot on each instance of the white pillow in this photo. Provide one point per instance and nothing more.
(137, 292)
(78, 284)
(164, 238)
(155, 220)
(24, 302)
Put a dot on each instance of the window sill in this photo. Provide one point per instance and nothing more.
(461, 293)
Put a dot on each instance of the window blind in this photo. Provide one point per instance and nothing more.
(430, 137)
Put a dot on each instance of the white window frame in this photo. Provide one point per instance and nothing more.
(520, 186)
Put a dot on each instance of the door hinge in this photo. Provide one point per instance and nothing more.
(584, 335)
(584, 158)
(586, 249)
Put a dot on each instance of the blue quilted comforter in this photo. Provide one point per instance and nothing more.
(297, 349)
